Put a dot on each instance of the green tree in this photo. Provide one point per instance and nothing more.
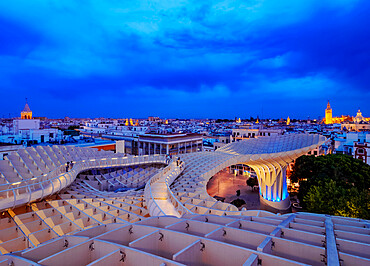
(238, 202)
(333, 184)
(252, 181)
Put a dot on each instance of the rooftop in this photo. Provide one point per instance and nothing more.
(26, 108)
(85, 221)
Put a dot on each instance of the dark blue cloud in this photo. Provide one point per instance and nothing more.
(15, 40)
(219, 59)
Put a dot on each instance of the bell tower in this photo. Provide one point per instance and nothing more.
(328, 114)
(26, 113)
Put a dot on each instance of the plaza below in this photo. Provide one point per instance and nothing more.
(225, 185)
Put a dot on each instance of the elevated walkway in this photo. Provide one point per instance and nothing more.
(159, 197)
(27, 190)
(267, 156)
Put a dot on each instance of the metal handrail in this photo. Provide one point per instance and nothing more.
(58, 179)
(172, 196)
(148, 190)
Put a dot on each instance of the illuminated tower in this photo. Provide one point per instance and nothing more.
(288, 121)
(328, 114)
(26, 113)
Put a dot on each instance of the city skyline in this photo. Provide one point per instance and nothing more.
(185, 60)
(245, 117)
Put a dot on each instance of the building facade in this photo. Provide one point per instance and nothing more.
(173, 144)
(362, 151)
(240, 134)
(27, 130)
(329, 119)
(356, 144)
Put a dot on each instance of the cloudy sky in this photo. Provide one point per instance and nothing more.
(186, 59)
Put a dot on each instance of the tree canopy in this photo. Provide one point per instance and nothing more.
(252, 181)
(334, 184)
(238, 202)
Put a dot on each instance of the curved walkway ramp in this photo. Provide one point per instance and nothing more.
(158, 196)
(35, 173)
(268, 156)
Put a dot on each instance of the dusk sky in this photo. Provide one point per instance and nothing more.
(185, 59)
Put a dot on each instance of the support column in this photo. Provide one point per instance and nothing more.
(167, 149)
(272, 183)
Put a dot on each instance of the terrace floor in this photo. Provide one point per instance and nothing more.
(225, 185)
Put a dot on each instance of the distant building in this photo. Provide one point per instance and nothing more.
(356, 144)
(357, 127)
(240, 134)
(20, 125)
(140, 143)
(172, 144)
(153, 119)
(27, 130)
(359, 123)
(328, 114)
(329, 119)
(362, 151)
(359, 118)
(221, 141)
(26, 112)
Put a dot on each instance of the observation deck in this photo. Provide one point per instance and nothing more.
(165, 215)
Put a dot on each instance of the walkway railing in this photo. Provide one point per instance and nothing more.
(152, 206)
(36, 188)
(181, 209)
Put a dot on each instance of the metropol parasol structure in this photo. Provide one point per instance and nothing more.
(130, 210)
